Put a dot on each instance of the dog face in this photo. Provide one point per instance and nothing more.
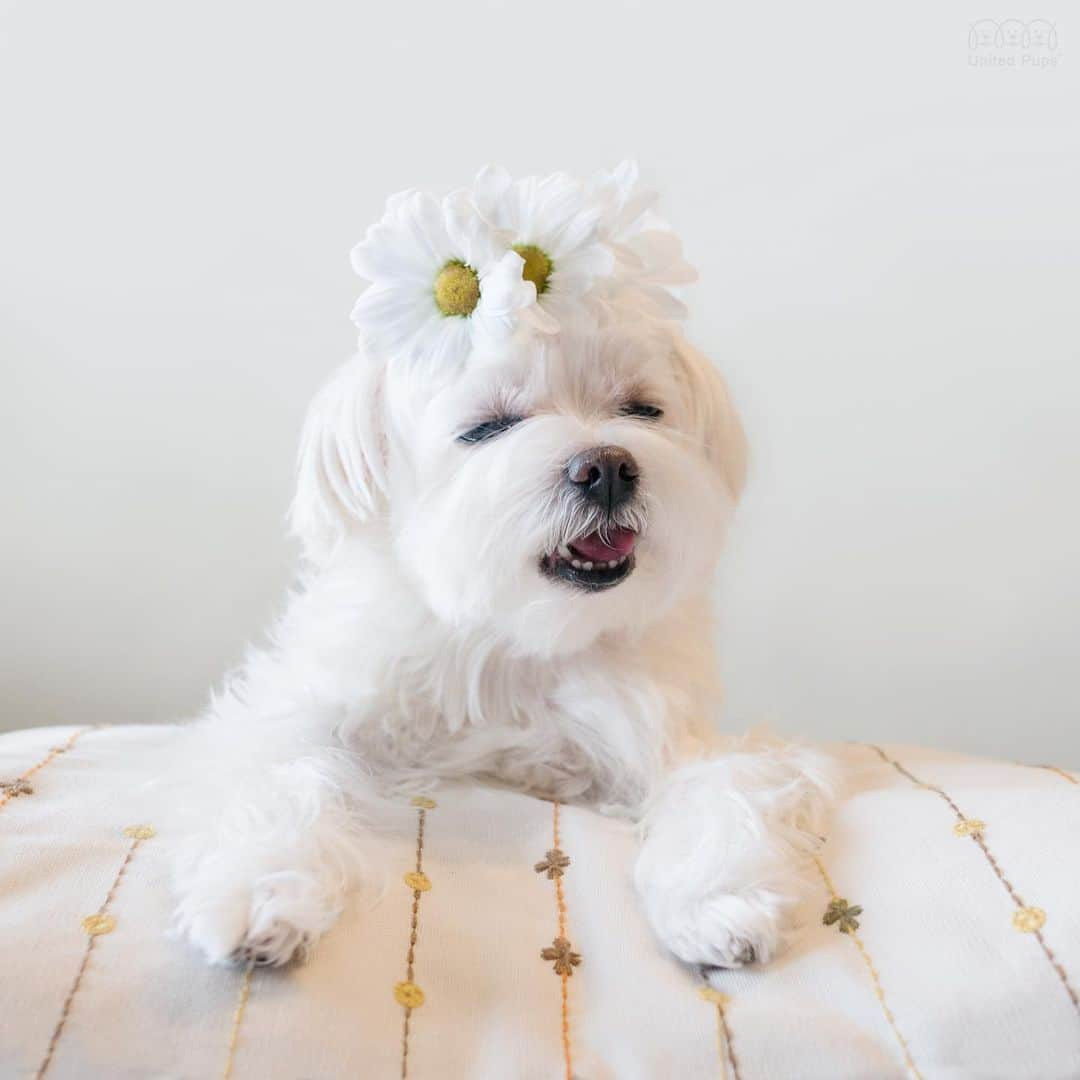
(1011, 33)
(1041, 34)
(982, 34)
(571, 485)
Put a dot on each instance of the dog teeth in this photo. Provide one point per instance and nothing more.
(569, 556)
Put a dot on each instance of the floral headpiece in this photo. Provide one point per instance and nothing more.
(511, 257)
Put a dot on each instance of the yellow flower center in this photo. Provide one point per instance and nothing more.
(537, 268)
(457, 289)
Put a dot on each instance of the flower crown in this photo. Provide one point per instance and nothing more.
(506, 258)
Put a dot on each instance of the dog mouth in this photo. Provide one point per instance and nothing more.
(593, 562)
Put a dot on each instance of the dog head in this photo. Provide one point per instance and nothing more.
(544, 491)
(982, 34)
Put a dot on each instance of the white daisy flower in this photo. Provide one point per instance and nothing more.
(549, 223)
(440, 283)
(648, 255)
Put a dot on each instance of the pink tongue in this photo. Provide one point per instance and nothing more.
(620, 542)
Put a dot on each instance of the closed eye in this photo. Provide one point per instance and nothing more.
(642, 409)
(489, 428)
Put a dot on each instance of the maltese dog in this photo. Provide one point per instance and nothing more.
(511, 504)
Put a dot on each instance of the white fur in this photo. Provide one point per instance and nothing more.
(424, 643)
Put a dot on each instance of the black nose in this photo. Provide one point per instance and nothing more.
(605, 474)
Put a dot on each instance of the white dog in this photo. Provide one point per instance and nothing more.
(512, 503)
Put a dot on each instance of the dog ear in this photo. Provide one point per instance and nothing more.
(713, 417)
(341, 468)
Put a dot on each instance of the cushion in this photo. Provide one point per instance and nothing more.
(942, 939)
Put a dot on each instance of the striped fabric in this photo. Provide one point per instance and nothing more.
(943, 939)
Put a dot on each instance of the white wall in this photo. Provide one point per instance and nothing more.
(887, 237)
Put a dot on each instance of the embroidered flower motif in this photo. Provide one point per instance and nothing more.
(14, 788)
(140, 832)
(421, 802)
(564, 957)
(843, 914)
(554, 864)
(1029, 919)
(551, 225)
(408, 994)
(418, 881)
(95, 925)
(969, 827)
(441, 284)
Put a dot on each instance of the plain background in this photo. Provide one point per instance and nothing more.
(888, 242)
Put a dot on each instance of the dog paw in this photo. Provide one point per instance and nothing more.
(272, 946)
(270, 921)
(726, 857)
(727, 930)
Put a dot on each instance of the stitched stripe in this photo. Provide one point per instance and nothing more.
(238, 1019)
(875, 978)
(96, 925)
(560, 903)
(53, 754)
(407, 994)
(1061, 772)
(725, 1047)
(560, 953)
(724, 1033)
(1023, 912)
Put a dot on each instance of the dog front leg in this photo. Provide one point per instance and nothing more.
(269, 842)
(725, 851)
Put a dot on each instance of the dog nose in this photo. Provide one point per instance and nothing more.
(605, 474)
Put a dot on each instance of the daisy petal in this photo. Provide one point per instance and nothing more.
(379, 257)
(661, 255)
(489, 191)
(504, 296)
(475, 245)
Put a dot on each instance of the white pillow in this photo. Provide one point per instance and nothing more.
(965, 961)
